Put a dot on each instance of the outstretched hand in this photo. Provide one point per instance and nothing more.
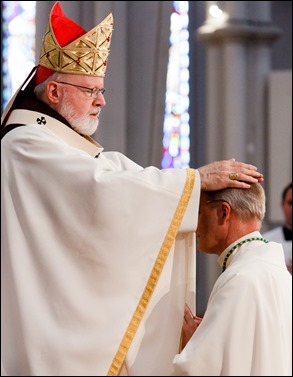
(228, 173)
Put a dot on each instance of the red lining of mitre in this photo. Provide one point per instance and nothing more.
(65, 31)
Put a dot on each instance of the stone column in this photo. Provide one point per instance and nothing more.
(237, 36)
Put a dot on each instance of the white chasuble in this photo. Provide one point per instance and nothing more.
(97, 260)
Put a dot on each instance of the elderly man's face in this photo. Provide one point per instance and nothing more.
(77, 105)
(209, 232)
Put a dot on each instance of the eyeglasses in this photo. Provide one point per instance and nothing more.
(89, 92)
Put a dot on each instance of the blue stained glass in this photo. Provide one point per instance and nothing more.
(176, 122)
(18, 45)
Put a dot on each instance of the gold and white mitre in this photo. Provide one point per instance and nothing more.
(86, 55)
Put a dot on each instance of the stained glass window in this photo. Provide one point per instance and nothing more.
(18, 45)
(176, 121)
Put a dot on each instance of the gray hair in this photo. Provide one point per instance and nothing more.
(247, 203)
(40, 89)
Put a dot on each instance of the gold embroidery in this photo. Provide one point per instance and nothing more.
(87, 55)
(154, 277)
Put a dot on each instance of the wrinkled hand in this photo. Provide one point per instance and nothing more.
(215, 176)
(190, 324)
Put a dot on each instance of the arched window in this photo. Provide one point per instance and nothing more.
(18, 45)
(176, 120)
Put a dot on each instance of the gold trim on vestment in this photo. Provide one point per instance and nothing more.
(154, 277)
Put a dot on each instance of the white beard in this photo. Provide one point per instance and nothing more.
(84, 125)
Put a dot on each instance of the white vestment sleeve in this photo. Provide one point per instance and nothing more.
(80, 240)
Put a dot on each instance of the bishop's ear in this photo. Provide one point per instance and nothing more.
(54, 91)
(224, 212)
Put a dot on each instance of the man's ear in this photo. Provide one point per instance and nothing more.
(224, 212)
(53, 92)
